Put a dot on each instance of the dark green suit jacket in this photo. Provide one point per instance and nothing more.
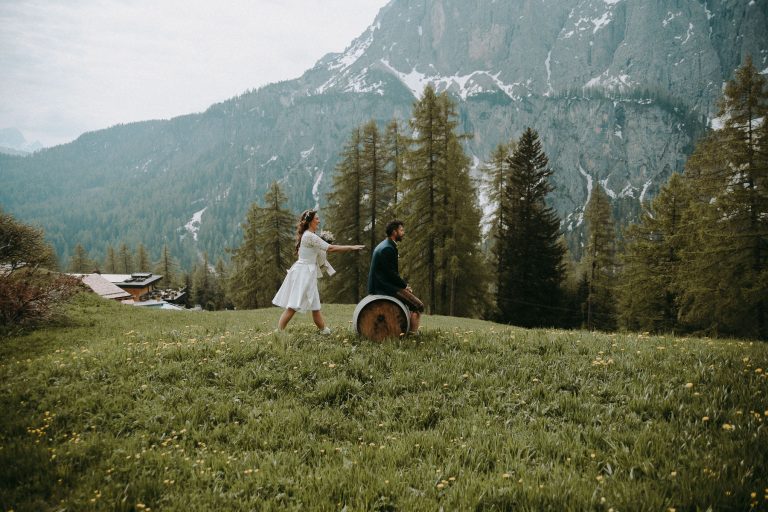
(384, 277)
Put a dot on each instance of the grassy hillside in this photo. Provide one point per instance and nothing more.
(128, 409)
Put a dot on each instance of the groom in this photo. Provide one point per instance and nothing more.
(384, 277)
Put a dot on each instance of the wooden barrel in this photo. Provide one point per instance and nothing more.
(378, 317)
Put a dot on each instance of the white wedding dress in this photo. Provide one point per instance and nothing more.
(299, 289)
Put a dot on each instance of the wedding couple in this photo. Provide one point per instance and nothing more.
(299, 289)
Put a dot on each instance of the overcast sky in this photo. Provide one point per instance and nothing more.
(71, 66)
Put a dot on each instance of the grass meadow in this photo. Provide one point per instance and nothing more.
(121, 408)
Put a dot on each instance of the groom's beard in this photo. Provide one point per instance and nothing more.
(398, 238)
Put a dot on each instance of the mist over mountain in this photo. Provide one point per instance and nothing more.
(618, 90)
(13, 142)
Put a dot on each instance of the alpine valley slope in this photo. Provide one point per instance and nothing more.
(619, 90)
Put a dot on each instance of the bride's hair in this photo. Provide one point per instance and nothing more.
(303, 225)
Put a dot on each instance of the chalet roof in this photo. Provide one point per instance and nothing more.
(135, 280)
(103, 287)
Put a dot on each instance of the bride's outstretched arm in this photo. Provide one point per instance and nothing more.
(345, 248)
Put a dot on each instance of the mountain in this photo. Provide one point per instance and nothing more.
(619, 91)
(12, 142)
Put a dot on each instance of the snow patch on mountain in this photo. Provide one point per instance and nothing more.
(670, 16)
(316, 188)
(589, 194)
(607, 81)
(193, 226)
(628, 191)
(306, 153)
(464, 86)
(687, 34)
(601, 21)
(355, 50)
(607, 189)
(341, 63)
(358, 83)
(550, 90)
(645, 189)
(144, 167)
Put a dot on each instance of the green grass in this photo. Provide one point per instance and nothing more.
(129, 409)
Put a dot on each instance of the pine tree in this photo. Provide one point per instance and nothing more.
(421, 204)
(724, 286)
(648, 297)
(260, 262)
(124, 260)
(396, 145)
(496, 177)
(378, 183)
(110, 262)
(80, 263)
(188, 288)
(275, 232)
(220, 289)
(442, 256)
(530, 248)
(600, 262)
(345, 217)
(203, 285)
(245, 282)
(167, 267)
(142, 259)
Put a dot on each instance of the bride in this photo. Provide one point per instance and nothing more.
(299, 289)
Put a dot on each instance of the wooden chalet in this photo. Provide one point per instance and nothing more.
(138, 284)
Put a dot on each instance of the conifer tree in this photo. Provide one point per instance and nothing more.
(378, 186)
(110, 262)
(724, 285)
(124, 260)
(80, 262)
(142, 259)
(220, 289)
(346, 217)
(530, 249)
(203, 285)
(189, 300)
(167, 267)
(442, 256)
(275, 231)
(260, 262)
(245, 282)
(599, 261)
(421, 204)
(496, 176)
(648, 297)
(396, 145)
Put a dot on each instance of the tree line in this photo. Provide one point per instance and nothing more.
(694, 263)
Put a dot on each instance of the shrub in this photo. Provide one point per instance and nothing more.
(29, 291)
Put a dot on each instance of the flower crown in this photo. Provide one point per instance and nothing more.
(308, 215)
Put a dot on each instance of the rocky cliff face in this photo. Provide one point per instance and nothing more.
(619, 91)
(685, 48)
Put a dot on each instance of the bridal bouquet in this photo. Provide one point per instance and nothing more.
(327, 236)
(322, 259)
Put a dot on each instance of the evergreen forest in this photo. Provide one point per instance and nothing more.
(695, 262)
